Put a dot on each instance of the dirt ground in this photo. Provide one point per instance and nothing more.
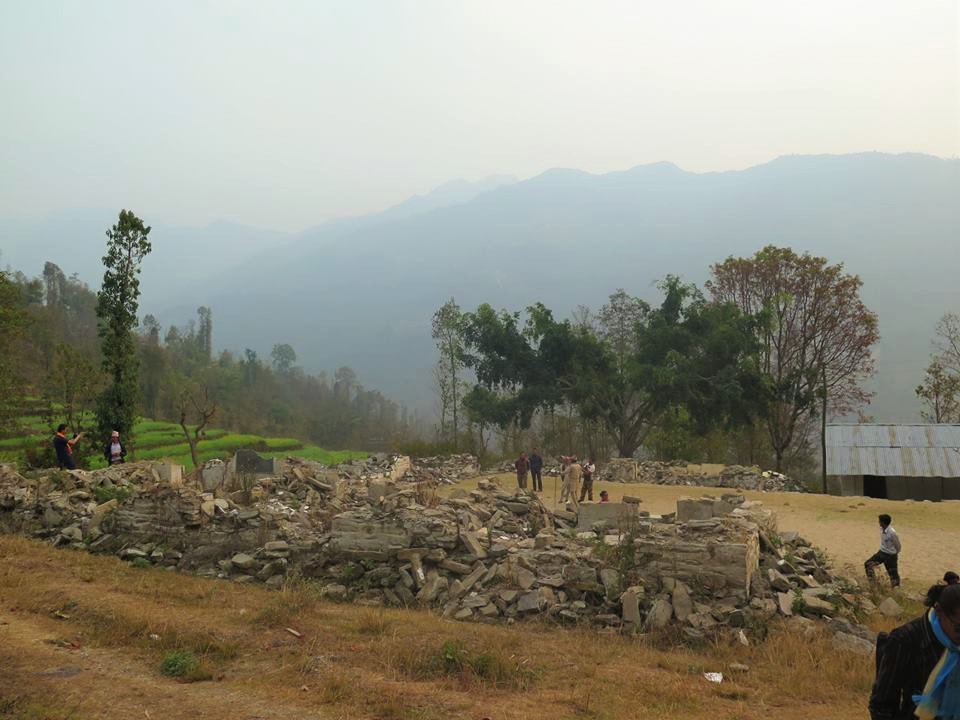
(845, 527)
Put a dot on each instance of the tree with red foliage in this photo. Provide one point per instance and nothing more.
(816, 341)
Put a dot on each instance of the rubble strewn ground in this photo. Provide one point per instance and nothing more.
(375, 532)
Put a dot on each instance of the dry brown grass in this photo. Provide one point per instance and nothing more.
(356, 662)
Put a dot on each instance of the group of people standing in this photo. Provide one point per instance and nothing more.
(113, 452)
(918, 663)
(575, 476)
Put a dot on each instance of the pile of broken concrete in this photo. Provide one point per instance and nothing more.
(444, 470)
(734, 477)
(491, 555)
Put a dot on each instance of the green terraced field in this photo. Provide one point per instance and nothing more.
(157, 440)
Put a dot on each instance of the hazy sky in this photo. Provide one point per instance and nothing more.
(283, 114)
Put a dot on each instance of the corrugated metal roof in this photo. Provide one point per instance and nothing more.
(942, 435)
(894, 450)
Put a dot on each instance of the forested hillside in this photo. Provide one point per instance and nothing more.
(51, 356)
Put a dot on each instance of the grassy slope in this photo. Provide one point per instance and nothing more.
(157, 440)
(83, 637)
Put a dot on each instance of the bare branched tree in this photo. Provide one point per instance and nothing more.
(197, 404)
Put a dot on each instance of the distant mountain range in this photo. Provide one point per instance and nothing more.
(361, 291)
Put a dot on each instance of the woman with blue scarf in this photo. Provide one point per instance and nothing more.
(918, 665)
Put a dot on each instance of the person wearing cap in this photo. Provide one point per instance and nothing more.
(114, 451)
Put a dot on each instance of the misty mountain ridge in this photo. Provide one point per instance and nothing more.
(361, 291)
(185, 255)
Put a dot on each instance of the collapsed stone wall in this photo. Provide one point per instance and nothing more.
(490, 555)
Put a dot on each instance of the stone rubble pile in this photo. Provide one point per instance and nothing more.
(447, 470)
(717, 565)
(676, 472)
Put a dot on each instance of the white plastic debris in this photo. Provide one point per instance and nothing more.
(714, 677)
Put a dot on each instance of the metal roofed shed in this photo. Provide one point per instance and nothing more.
(896, 462)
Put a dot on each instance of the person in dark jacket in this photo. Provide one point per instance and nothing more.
(114, 452)
(918, 665)
(523, 467)
(64, 447)
(536, 470)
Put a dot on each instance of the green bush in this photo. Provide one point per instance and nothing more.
(180, 663)
(105, 494)
(497, 667)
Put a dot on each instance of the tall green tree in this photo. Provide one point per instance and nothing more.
(13, 320)
(73, 384)
(940, 393)
(686, 353)
(447, 330)
(639, 363)
(284, 357)
(117, 304)
(205, 333)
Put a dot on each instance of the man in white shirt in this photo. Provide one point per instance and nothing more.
(888, 554)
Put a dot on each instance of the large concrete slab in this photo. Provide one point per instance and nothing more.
(617, 514)
(356, 536)
(250, 462)
(169, 473)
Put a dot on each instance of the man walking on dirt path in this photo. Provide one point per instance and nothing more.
(523, 466)
(888, 554)
(571, 481)
(536, 470)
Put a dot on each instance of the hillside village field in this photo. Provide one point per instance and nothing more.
(85, 636)
(159, 440)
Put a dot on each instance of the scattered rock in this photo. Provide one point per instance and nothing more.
(846, 641)
(890, 608)
(660, 613)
